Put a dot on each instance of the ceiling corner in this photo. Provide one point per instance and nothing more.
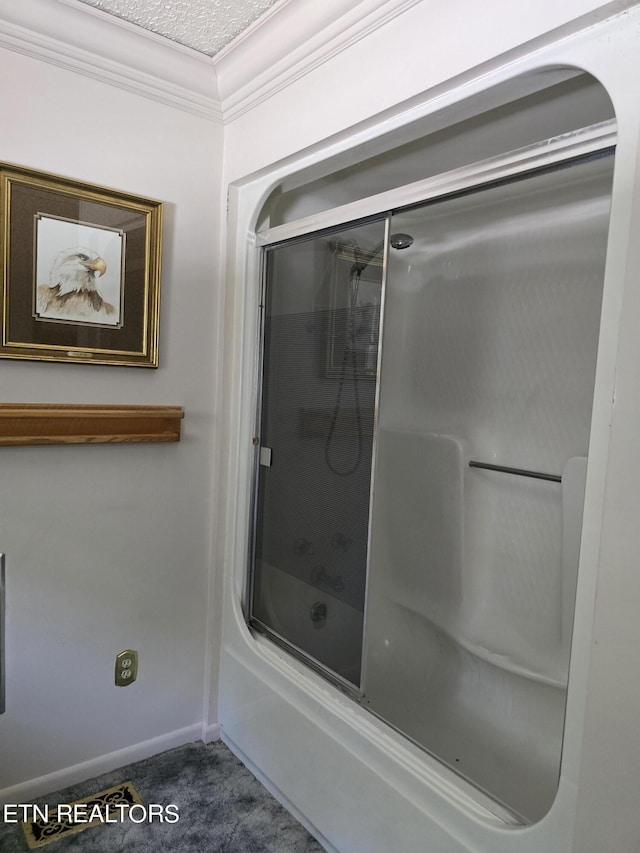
(79, 38)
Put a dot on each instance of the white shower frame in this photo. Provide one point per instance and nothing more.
(296, 731)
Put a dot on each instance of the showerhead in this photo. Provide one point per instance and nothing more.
(396, 241)
(401, 241)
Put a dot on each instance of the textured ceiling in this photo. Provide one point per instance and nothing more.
(204, 25)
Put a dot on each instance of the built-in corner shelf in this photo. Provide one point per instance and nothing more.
(52, 423)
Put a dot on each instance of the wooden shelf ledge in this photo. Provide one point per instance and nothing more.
(52, 423)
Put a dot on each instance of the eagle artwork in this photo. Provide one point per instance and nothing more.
(72, 292)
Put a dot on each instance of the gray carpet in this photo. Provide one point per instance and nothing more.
(222, 806)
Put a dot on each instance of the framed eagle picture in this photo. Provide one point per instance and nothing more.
(80, 277)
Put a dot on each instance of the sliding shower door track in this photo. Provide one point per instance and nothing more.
(337, 680)
(597, 139)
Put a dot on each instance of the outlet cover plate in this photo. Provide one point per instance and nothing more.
(126, 667)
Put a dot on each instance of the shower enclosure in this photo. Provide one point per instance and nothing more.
(425, 400)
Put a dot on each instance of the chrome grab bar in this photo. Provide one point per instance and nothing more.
(519, 472)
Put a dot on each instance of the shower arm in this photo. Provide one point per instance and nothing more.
(396, 241)
(363, 259)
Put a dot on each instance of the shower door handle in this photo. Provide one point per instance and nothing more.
(265, 457)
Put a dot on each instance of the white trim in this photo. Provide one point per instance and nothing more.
(289, 42)
(548, 152)
(25, 792)
(80, 38)
(297, 36)
(286, 43)
(211, 732)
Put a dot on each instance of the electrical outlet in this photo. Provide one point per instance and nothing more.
(126, 667)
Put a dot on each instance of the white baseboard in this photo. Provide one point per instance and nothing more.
(25, 792)
(277, 793)
(211, 733)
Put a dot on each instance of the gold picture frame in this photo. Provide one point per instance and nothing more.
(80, 271)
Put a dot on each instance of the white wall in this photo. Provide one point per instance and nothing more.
(108, 546)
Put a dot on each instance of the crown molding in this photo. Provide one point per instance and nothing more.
(284, 44)
(289, 41)
(85, 40)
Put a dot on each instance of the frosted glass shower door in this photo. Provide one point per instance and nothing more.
(488, 357)
(321, 318)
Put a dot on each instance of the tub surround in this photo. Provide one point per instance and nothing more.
(265, 695)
